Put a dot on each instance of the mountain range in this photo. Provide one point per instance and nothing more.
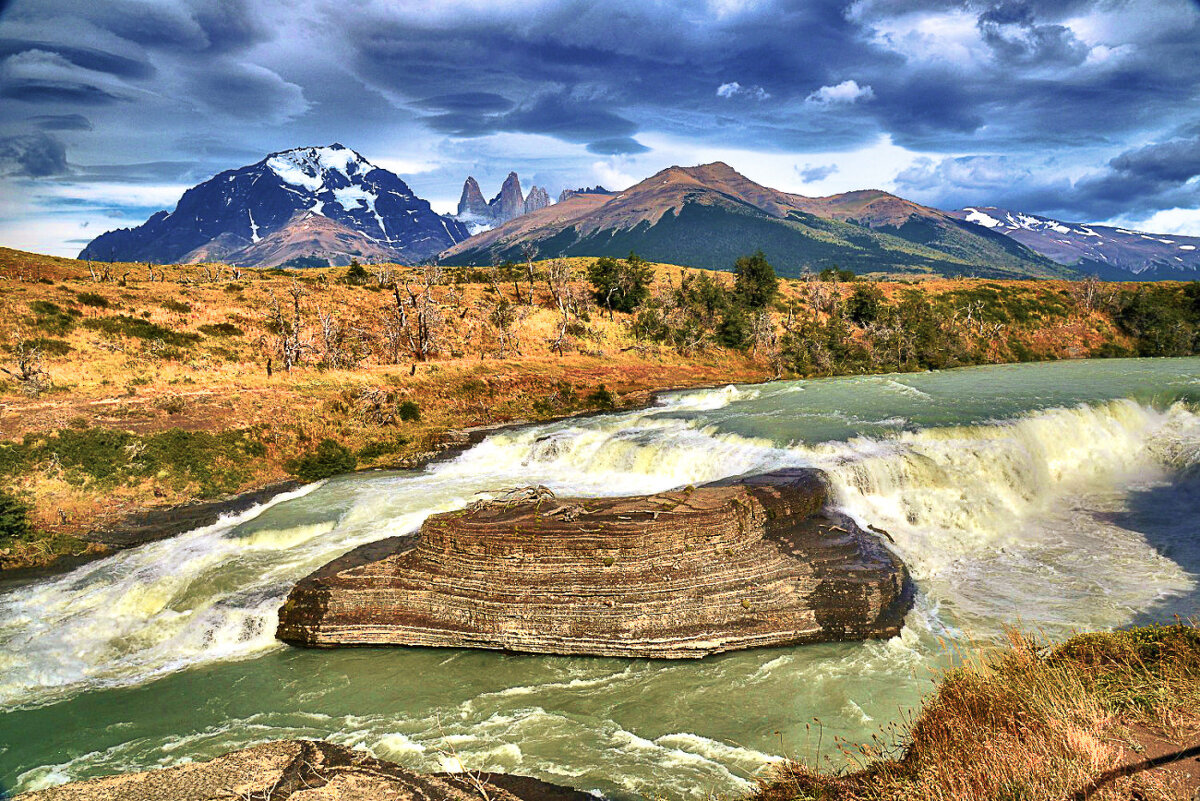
(707, 216)
(314, 203)
(1111, 253)
(319, 205)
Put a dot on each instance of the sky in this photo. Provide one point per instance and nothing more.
(1083, 110)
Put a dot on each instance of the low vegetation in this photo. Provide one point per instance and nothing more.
(138, 385)
(1037, 722)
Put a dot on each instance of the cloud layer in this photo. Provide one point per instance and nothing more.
(1083, 108)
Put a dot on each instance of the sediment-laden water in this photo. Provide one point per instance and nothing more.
(1054, 496)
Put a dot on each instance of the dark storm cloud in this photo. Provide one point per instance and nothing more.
(1021, 82)
(33, 156)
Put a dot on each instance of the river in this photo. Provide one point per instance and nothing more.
(1056, 497)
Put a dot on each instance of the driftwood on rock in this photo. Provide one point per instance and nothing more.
(686, 573)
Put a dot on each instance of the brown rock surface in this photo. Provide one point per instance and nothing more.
(302, 770)
(686, 573)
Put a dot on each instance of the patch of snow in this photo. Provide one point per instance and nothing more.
(980, 218)
(1083, 230)
(1167, 241)
(307, 167)
(1187, 247)
(254, 237)
(318, 208)
(351, 196)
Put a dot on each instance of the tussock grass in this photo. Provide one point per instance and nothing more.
(1035, 721)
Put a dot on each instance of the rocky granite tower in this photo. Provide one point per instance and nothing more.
(471, 203)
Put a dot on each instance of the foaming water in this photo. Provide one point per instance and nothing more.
(1044, 495)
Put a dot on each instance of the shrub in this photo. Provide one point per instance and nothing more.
(864, 305)
(124, 325)
(620, 285)
(52, 319)
(755, 286)
(330, 458)
(14, 519)
(602, 398)
(384, 447)
(221, 330)
(52, 347)
(356, 274)
(92, 299)
(177, 306)
(408, 410)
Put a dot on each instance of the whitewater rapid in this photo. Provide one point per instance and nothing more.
(1021, 518)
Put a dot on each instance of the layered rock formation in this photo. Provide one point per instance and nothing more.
(680, 574)
(302, 770)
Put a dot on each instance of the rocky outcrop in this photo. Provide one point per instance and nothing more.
(585, 190)
(538, 198)
(303, 770)
(471, 202)
(510, 202)
(679, 574)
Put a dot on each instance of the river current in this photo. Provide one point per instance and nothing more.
(1056, 497)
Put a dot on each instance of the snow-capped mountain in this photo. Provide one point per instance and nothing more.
(1112, 253)
(323, 202)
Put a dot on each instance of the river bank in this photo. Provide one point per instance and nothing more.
(162, 390)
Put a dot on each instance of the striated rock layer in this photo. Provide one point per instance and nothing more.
(687, 573)
(303, 770)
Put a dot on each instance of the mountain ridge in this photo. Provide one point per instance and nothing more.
(369, 212)
(1110, 252)
(707, 215)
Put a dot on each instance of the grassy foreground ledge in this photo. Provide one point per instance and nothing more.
(1112, 715)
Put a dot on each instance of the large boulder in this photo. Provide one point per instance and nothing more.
(686, 573)
(302, 770)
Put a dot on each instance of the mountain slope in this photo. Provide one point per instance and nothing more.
(1112, 253)
(707, 216)
(365, 212)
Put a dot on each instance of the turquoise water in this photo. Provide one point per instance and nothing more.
(1060, 496)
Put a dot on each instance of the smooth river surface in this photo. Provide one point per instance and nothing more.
(1054, 496)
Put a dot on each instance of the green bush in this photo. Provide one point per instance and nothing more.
(602, 398)
(408, 410)
(755, 286)
(221, 330)
(330, 458)
(865, 304)
(620, 285)
(92, 299)
(356, 274)
(124, 325)
(14, 519)
(52, 319)
(384, 447)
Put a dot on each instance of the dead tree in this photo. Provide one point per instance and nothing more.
(416, 319)
(27, 369)
(529, 252)
(340, 344)
(286, 323)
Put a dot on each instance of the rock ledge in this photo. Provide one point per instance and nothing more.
(737, 564)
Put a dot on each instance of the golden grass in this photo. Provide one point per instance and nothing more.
(1033, 722)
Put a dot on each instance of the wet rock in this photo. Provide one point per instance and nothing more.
(302, 770)
(687, 573)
